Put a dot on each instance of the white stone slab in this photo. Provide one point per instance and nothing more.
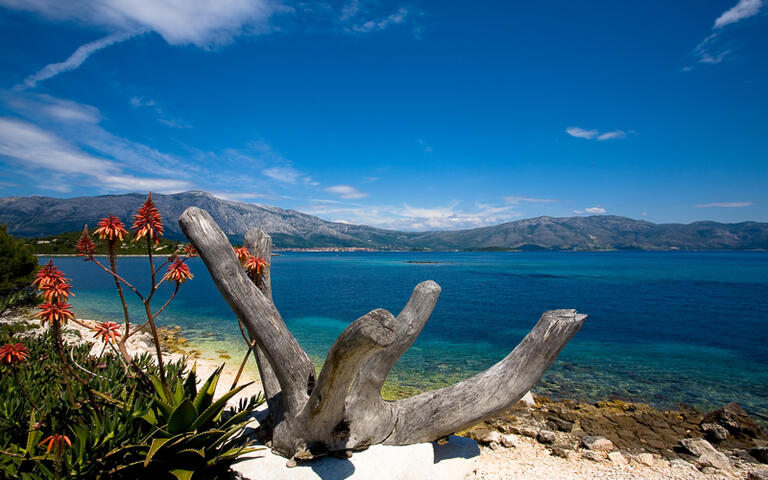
(380, 462)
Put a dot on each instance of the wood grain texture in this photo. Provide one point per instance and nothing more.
(344, 410)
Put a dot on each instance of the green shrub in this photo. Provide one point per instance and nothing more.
(17, 264)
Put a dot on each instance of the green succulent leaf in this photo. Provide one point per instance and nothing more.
(157, 444)
(182, 474)
(206, 392)
(181, 418)
(213, 412)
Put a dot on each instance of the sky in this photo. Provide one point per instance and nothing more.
(412, 115)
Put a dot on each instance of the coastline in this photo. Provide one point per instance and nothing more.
(540, 439)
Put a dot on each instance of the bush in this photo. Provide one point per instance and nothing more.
(17, 264)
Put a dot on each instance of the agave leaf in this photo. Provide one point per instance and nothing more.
(236, 418)
(156, 445)
(190, 384)
(203, 439)
(182, 474)
(33, 437)
(205, 394)
(213, 412)
(197, 451)
(231, 455)
(159, 390)
(182, 417)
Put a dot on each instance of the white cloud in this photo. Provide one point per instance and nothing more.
(408, 217)
(725, 204)
(711, 50)
(283, 174)
(591, 210)
(579, 132)
(740, 11)
(74, 60)
(591, 134)
(615, 135)
(398, 17)
(346, 191)
(513, 199)
(202, 23)
(162, 117)
(45, 156)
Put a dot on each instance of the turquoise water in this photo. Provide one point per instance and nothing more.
(663, 328)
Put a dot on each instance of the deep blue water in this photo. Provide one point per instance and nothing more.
(663, 328)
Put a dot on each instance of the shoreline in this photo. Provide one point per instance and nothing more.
(539, 438)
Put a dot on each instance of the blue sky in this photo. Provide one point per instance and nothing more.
(408, 115)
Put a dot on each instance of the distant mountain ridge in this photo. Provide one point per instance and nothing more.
(43, 216)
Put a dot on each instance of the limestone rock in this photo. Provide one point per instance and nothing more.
(509, 441)
(598, 443)
(736, 420)
(714, 431)
(706, 454)
(546, 436)
(559, 424)
(617, 458)
(528, 400)
(560, 451)
(758, 475)
(645, 459)
(595, 456)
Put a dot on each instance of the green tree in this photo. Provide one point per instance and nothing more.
(17, 263)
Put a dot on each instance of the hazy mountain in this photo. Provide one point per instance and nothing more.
(42, 216)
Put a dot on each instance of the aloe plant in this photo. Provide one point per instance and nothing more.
(191, 436)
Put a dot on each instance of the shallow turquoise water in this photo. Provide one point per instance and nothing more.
(663, 327)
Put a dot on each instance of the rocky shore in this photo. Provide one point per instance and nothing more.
(543, 439)
(615, 439)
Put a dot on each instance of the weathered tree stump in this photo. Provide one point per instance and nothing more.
(342, 410)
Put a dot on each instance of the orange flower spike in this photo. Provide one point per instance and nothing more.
(242, 254)
(111, 228)
(178, 272)
(13, 353)
(148, 221)
(255, 265)
(54, 312)
(48, 275)
(107, 331)
(85, 246)
(56, 442)
(190, 251)
(57, 291)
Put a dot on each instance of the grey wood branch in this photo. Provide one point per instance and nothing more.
(259, 243)
(344, 410)
(292, 366)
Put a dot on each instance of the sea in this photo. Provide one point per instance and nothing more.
(664, 328)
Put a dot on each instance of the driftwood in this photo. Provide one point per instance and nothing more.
(342, 410)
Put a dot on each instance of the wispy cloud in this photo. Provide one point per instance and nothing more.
(514, 200)
(713, 50)
(40, 152)
(591, 134)
(425, 147)
(288, 174)
(75, 60)
(579, 132)
(162, 116)
(414, 218)
(740, 11)
(346, 191)
(596, 210)
(725, 204)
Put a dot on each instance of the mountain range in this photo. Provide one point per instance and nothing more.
(44, 216)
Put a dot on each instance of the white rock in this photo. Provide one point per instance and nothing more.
(617, 458)
(593, 455)
(598, 443)
(708, 456)
(380, 462)
(509, 441)
(546, 436)
(528, 400)
(645, 459)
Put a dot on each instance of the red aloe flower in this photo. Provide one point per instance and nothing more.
(57, 291)
(107, 331)
(178, 271)
(54, 312)
(49, 274)
(85, 245)
(190, 251)
(255, 265)
(13, 353)
(56, 442)
(111, 228)
(148, 221)
(242, 254)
